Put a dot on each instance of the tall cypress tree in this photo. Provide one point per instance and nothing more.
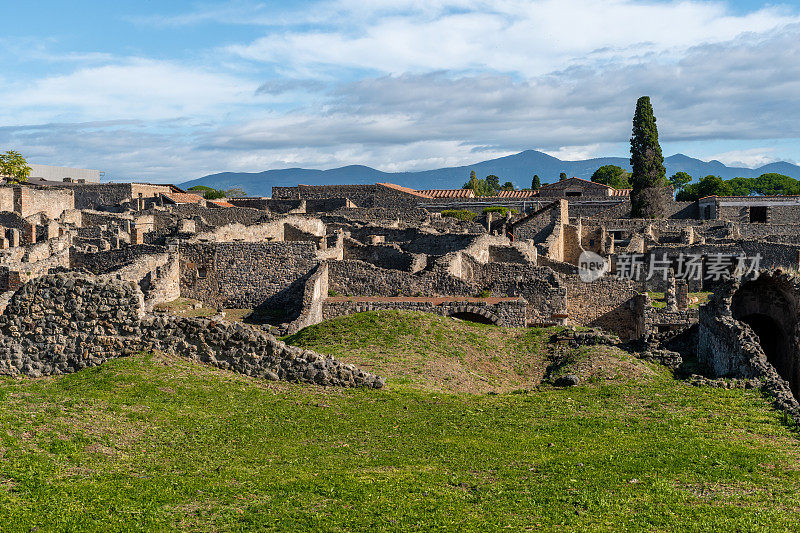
(536, 183)
(648, 197)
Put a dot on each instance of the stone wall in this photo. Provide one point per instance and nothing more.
(501, 312)
(29, 200)
(357, 278)
(606, 303)
(362, 195)
(246, 274)
(389, 256)
(154, 269)
(95, 195)
(315, 291)
(110, 260)
(539, 286)
(214, 218)
(63, 323)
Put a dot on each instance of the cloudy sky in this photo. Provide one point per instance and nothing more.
(170, 91)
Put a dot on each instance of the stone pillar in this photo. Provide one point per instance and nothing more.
(29, 234)
(682, 294)
(52, 230)
(670, 294)
(687, 235)
(14, 237)
(3, 243)
(137, 235)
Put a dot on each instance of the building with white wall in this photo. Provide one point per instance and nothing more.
(50, 173)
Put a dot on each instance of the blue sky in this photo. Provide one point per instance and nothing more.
(170, 91)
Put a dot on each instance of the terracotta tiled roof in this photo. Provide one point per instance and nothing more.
(222, 203)
(184, 198)
(405, 190)
(450, 193)
(516, 194)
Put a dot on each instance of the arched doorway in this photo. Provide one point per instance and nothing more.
(473, 317)
(770, 312)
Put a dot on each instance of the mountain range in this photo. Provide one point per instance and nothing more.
(518, 169)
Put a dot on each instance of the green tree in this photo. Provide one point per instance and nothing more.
(708, 186)
(478, 186)
(236, 192)
(14, 167)
(648, 197)
(562, 176)
(613, 176)
(679, 180)
(507, 186)
(741, 186)
(773, 184)
(536, 183)
(493, 182)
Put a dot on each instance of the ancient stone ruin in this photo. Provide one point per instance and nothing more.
(94, 271)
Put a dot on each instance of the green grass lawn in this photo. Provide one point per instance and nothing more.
(159, 443)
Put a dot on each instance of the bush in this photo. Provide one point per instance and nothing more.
(460, 214)
(484, 294)
(504, 211)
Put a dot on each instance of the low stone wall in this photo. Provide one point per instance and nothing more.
(357, 278)
(389, 256)
(62, 323)
(246, 274)
(607, 303)
(109, 260)
(314, 293)
(500, 311)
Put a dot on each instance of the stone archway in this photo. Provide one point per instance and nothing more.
(771, 312)
(474, 314)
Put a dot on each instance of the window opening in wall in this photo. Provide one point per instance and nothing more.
(573, 193)
(201, 273)
(758, 213)
(707, 214)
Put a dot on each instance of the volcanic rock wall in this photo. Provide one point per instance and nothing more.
(61, 323)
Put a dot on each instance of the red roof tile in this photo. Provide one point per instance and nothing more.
(449, 193)
(184, 198)
(516, 194)
(404, 189)
(222, 203)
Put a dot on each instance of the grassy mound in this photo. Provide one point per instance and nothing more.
(154, 443)
(440, 353)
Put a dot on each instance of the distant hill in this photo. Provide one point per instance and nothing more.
(518, 168)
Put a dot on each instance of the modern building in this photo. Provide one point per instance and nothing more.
(60, 174)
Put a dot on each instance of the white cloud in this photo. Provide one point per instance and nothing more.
(134, 88)
(450, 82)
(750, 158)
(530, 38)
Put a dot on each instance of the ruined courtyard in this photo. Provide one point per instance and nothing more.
(94, 271)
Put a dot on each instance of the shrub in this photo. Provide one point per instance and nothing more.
(504, 211)
(484, 294)
(460, 214)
